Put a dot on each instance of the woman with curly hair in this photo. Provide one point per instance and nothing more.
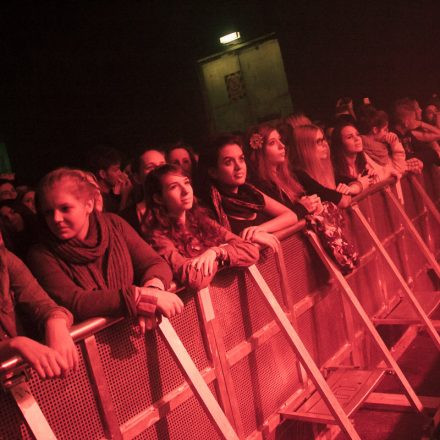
(270, 170)
(193, 244)
(238, 205)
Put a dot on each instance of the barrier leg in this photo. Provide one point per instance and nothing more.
(414, 233)
(31, 412)
(410, 393)
(196, 382)
(297, 345)
(424, 319)
(426, 199)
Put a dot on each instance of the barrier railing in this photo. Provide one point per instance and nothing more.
(133, 386)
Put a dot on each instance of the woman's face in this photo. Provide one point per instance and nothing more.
(66, 215)
(150, 160)
(351, 140)
(322, 148)
(177, 194)
(11, 219)
(231, 167)
(274, 150)
(29, 200)
(181, 158)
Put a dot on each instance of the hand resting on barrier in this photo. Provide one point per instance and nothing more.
(255, 234)
(167, 304)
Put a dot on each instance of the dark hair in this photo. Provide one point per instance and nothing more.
(102, 157)
(208, 159)
(157, 221)
(339, 160)
(136, 161)
(372, 118)
(185, 147)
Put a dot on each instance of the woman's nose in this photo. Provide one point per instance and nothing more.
(57, 216)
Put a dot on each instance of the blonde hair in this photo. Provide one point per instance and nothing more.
(303, 156)
(297, 119)
(79, 183)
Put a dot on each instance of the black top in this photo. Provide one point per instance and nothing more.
(280, 196)
(313, 187)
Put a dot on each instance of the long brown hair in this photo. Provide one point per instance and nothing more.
(158, 221)
(283, 178)
(304, 156)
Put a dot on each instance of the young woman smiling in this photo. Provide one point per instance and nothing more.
(238, 205)
(94, 263)
(194, 245)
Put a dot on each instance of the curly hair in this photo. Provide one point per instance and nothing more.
(157, 221)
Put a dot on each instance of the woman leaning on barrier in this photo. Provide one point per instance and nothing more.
(238, 206)
(193, 244)
(352, 166)
(19, 289)
(310, 159)
(270, 170)
(94, 263)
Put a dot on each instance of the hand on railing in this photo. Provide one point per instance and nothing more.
(256, 235)
(58, 338)
(312, 203)
(46, 361)
(205, 262)
(165, 303)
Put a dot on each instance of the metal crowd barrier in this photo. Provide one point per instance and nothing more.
(250, 350)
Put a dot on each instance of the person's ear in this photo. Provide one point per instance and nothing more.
(375, 130)
(102, 174)
(90, 205)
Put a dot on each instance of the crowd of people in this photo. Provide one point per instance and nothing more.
(102, 241)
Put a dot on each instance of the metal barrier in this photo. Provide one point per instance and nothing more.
(130, 386)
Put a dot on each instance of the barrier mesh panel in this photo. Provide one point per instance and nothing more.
(328, 326)
(139, 370)
(12, 425)
(263, 381)
(305, 271)
(269, 270)
(384, 222)
(69, 405)
(187, 421)
(239, 306)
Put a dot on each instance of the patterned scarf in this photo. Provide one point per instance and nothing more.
(244, 204)
(100, 261)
